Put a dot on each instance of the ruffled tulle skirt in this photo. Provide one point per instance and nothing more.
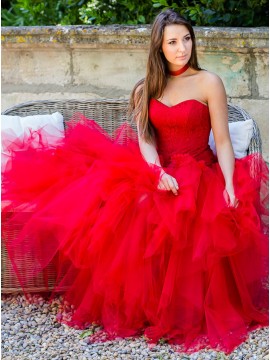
(135, 259)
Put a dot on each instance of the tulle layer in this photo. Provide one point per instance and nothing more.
(135, 259)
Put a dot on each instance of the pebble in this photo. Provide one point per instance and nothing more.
(30, 332)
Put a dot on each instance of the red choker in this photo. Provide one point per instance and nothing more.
(180, 71)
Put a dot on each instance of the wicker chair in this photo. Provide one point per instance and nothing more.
(109, 114)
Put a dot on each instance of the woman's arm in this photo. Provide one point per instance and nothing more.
(217, 102)
(150, 155)
(149, 151)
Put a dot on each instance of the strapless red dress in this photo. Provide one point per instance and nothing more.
(135, 259)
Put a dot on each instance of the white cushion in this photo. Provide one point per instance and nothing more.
(240, 133)
(26, 132)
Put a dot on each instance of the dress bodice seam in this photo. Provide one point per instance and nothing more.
(181, 102)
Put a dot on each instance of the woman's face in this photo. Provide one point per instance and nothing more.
(176, 46)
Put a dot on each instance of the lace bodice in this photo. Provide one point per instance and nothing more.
(183, 128)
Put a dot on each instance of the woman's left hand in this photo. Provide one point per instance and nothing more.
(230, 197)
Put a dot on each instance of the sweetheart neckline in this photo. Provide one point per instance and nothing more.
(181, 102)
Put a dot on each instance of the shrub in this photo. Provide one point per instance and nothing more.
(199, 12)
(41, 12)
(117, 12)
(220, 12)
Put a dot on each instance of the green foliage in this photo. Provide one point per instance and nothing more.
(162, 341)
(98, 12)
(86, 333)
(41, 12)
(117, 12)
(220, 12)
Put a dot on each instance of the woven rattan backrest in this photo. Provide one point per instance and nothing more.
(107, 113)
(110, 113)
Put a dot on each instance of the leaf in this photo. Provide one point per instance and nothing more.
(209, 12)
(86, 333)
(227, 17)
(141, 19)
(162, 341)
(193, 12)
(184, 3)
(161, 2)
(175, 6)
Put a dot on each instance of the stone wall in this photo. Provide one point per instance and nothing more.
(95, 62)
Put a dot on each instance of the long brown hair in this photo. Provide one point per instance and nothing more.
(153, 85)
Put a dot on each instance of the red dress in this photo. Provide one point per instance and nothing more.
(139, 260)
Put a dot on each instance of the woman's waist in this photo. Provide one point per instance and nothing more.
(169, 157)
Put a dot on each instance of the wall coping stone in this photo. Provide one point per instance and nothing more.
(123, 36)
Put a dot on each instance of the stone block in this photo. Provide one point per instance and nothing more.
(35, 66)
(231, 67)
(262, 74)
(115, 69)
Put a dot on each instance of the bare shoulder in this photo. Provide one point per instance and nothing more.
(138, 88)
(136, 94)
(212, 87)
(211, 80)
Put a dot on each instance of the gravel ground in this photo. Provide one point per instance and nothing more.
(30, 331)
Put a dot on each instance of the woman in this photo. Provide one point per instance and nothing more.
(173, 53)
(157, 237)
